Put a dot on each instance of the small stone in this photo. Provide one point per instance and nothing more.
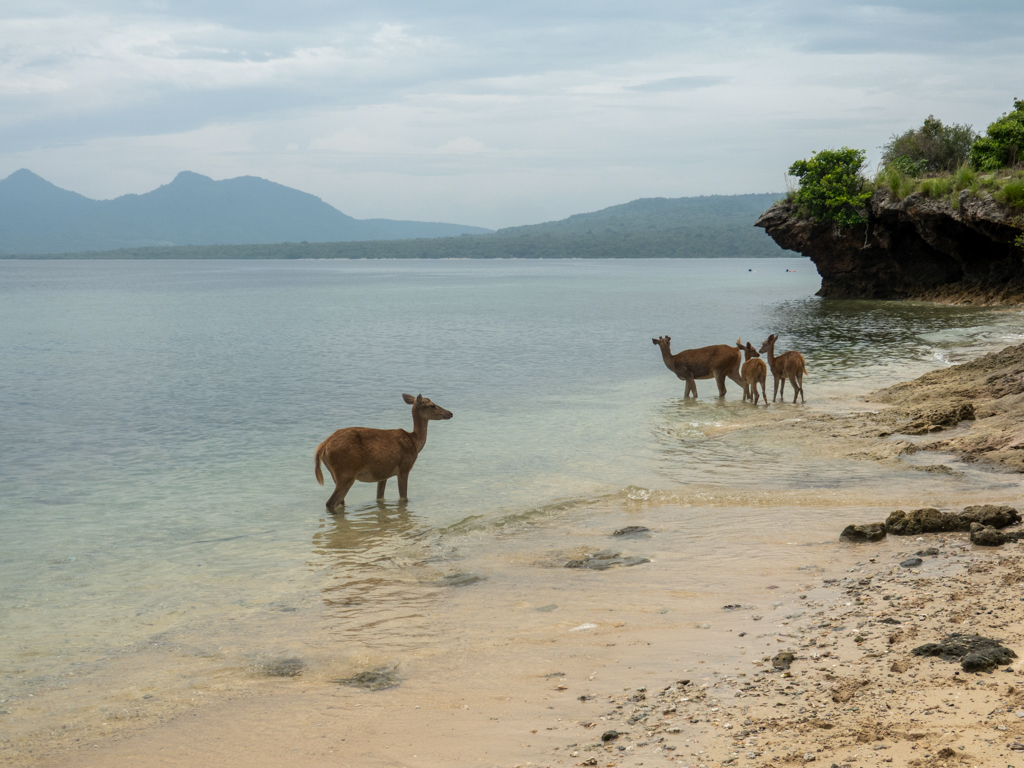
(809, 757)
(610, 735)
(912, 562)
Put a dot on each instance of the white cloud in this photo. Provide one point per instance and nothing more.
(478, 114)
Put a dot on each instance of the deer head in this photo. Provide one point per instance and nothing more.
(769, 343)
(429, 410)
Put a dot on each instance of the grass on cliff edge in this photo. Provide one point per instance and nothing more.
(1005, 186)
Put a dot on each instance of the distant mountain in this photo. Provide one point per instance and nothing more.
(38, 217)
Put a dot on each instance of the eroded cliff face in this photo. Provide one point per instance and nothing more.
(915, 248)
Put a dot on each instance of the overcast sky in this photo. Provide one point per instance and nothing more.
(492, 114)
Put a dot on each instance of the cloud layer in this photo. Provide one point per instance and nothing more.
(494, 116)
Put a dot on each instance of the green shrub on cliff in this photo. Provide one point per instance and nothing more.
(1002, 145)
(931, 148)
(831, 186)
(1012, 194)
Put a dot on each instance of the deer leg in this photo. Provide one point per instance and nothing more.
(763, 393)
(338, 497)
(800, 381)
(403, 486)
(720, 380)
(691, 387)
(775, 393)
(380, 488)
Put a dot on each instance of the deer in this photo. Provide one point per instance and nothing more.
(714, 362)
(753, 372)
(790, 365)
(374, 455)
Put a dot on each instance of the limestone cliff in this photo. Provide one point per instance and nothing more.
(916, 248)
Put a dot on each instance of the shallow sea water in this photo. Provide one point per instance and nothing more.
(161, 532)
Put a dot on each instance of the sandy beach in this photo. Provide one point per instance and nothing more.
(794, 663)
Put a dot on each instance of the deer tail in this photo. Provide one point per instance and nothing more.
(316, 462)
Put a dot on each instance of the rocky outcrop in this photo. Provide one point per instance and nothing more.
(958, 250)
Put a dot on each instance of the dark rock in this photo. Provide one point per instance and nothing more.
(890, 620)
(631, 530)
(930, 552)
(606, 558)
(783, 660)
(378, 679)
(983, 661)
(862, 533)
(919, 521)
(610, 735)
(917, 247)
(912, 562)
(986, 536)
(990, 514)
(974, 652)
(930, 520)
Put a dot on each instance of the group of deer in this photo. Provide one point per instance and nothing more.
(721, 360)
(376, 455)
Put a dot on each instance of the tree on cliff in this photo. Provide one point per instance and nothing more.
(1003, 143)
(831, 186)
(932, 148)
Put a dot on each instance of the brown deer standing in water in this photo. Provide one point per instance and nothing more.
(374, 455)
(753, 372)
(714, 362)
(790, 365)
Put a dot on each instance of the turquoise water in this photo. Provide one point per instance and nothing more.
(159, 421)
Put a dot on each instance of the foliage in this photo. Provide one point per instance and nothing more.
(1002, 145)
(899, 183)
(938, 187)
(1012, 194)
(931, 148)
(831, 186)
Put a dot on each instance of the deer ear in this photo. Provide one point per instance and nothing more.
(419, 399)
(654, 342)
(409, 399)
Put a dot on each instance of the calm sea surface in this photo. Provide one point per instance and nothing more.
(158, 510)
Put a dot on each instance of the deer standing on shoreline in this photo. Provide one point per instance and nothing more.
(374, 455)
(790, 365)
(753, 372)
(714, 362)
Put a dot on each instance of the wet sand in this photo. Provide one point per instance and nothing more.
(542, 688)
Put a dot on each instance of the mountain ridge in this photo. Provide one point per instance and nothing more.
(38, 217)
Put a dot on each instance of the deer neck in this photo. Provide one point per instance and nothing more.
(419, 430)
(771, 355)
(666, 355)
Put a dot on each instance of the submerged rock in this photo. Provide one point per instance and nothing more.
(606, 558)
(284, 668)
(974, 652)
(460, 579)
(631, 530)
(378, 679)
(862, 533)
